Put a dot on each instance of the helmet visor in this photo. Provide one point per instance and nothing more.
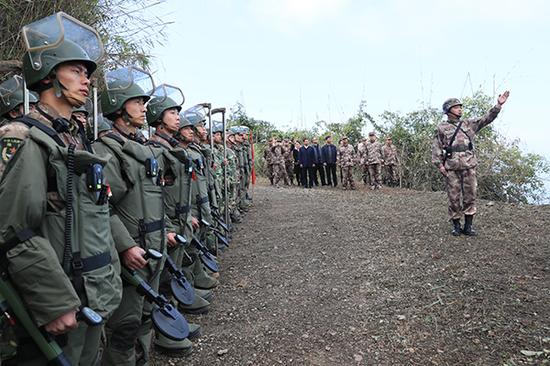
(10, 87)
(123, 79)
(50, 32)
(165, 91)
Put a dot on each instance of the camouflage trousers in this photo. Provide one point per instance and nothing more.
(347, 177)
(289, 167)
(461, 192)
(270, 172)
(365, 174)
(391, 173)
(279, 173)
(375, 174)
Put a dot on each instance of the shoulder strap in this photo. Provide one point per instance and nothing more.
(458, 127)
(31, 122)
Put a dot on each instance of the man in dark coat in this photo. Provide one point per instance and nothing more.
(329, 152)
(307, 163)
(319, 168)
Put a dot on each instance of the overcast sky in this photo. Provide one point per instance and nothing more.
(293, 62)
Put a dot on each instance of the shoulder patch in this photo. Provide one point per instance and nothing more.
(8, 147)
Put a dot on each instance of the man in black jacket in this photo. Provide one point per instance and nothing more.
(328, 152)
(307, 163)
(318, 163)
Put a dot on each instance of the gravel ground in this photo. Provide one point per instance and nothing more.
(332, 277)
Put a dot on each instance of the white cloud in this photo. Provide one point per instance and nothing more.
(288, 15)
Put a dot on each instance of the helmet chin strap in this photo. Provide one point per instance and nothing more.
(129, 119)
(74, 99)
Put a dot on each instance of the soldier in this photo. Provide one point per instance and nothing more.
(235, 183)
(346, 161)
(134, 173)
(200, 206)
(391, 161)
(374, 158)
(249, 163)
(219, 164)
(361, 155)
(289, 160)
(55, 238)
(163, 114)
(268, 159)
(454, 155)
(278, 161)
(12, 98)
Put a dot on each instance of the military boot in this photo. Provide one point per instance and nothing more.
(468, 225)
(175, 348)
(199, 306)
(456, 228)
(208, 295)
(202, 279)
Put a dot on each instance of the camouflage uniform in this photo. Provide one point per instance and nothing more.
(361, 151)
(289, 163)
(233, 180)
(278, 160)
(460, 165)
(268, 158)
(346, 161)
(373, 159)
(390, 162)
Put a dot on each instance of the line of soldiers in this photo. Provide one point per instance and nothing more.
(106, 236)
(284, 160)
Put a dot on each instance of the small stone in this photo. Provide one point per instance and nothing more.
(222, 352)
(358, 358)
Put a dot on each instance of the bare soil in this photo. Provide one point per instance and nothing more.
(331, 277)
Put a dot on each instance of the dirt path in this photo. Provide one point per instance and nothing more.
(331, 277)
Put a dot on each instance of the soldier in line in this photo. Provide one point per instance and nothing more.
(268, 159)
(391, 161)
(346, 160)
(296, 157)
(43, 239)
(289, 160)
(12, 98)
(373, 157)
(453, 154)
(361, 152)
(278, 160)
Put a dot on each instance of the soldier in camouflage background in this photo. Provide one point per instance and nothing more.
(268, 159)
(391, 161)
(361, 151)
(346, 161)
(374, 158)
(278, 160)
(289, 160)
(233, 180)
(456, 160)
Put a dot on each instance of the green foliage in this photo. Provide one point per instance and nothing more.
(127, 31)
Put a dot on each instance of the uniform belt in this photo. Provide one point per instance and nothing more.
(202, 200)
(459, 148)
(182, 209)
(94, 262)
(211, 187)
(150, 227)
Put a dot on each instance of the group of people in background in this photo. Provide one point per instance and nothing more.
(294, 163)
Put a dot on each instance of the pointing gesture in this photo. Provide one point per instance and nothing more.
(502, 98)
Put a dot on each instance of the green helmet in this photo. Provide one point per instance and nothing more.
(184, 122)
(81, 109)
(196, 114)
(217, 127)
(12, 96)
(164, 97)
(450, 103)
(122, 85)
(103, 124)
(56, 39)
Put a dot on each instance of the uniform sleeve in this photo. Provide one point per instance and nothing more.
(437, 149)
(122, 238)
(478, 124)
(33, 265)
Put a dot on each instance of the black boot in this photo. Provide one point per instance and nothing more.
(468, 227)
(456, 227)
